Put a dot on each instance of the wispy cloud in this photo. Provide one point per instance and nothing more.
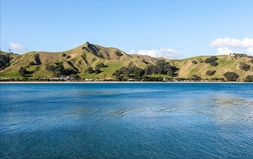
(167, 53)
(17, 47)
(225, 45)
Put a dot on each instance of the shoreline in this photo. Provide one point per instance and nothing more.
(115, 82)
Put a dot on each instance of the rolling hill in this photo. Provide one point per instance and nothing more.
(76, 61)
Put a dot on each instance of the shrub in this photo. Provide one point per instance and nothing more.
(194, 62)
(244, 66)
(163, 67)
(22, 71)
(210, 72)
(118, 53)
(63, 55)
(196, 77)
(117, 75)
(4, 61)
(31, 63)
(249, 78)
(230, 76)
(100, 65)
(151, 69)
(201, 61)
(97, 71)
(90, 70)
(217, 79)
(212, 61)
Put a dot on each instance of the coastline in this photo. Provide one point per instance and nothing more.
(115, 82)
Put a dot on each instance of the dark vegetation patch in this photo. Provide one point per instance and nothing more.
(244, 66)
(212, 61)
(58, 70)
(194, 62)
(249, 78)
(230, 76)
(161, 67)
(210, 72)
(5, 61)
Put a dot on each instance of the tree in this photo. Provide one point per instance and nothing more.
(244, 66)
(100, 65)
(162, 66)
(212, 61)
(249, 78)
(4, 61)
(97, 71)
(138, 72)
(90, 70)
(170, 73)
(117, 75)
(151, 69)
(230, 76)
(125, 71)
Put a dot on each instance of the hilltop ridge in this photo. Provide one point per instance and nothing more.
(103, 62)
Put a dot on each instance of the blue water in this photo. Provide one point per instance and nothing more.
(126, 120)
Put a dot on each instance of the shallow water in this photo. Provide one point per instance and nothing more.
(126, 120)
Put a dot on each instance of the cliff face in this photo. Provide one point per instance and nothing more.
(77, 60)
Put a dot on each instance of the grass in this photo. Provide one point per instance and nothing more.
(186, 68)
(160, 75)
(10, 75)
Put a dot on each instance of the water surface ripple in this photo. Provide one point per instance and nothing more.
(126, 120)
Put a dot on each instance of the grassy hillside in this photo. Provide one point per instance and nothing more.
(226, 63)
(77, 60)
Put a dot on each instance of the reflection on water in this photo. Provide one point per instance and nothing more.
(233, 108)
(126, 121)
(220, 108)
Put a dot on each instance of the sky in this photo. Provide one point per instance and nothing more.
(173, 29)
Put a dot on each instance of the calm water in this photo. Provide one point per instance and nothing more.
(126, 120)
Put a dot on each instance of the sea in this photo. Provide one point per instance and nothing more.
(126, 120)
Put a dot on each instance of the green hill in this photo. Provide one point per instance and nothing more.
(76, 62)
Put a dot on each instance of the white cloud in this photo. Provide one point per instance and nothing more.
(225, 44)
(250, 50)
(166, 53)
(17, 47)
(224, 50)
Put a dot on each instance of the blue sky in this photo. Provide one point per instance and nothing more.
(168, 28)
